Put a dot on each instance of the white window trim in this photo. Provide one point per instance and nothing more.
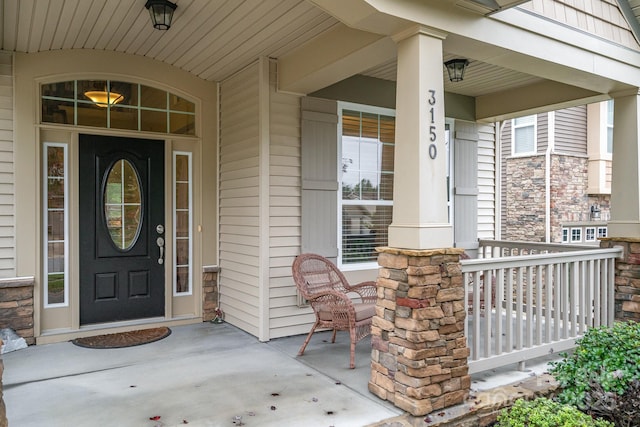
(45, 226)
(579, 230)
(363, 109)
(535, 136)
(606, 231)
(174, 219)
(586, 234)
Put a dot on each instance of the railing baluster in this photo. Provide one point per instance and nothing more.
(509, 312)
(476, 313)
(564, 302)
(610, 291)
(549, 302)
(499, 298)
(539, 292)
(519, 290)
(573, 298)
(486, 287)
(597, 294)
(528, 325)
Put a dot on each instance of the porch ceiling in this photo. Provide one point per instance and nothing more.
(209, 38)
(213, 39)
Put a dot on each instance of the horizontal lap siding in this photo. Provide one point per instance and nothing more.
(571, 131)
(239, 200)
(285, 211)
(7, 192)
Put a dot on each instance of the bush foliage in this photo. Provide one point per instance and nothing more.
(602, 376)
(543, 412)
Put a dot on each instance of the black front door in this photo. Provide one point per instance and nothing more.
(121, 229)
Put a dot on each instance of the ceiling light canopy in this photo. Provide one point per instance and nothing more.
(161, 12)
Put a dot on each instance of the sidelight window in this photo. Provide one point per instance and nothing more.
(182, 220)
(56, 225)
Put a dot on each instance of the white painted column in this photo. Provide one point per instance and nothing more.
(625, 181)
(420, 189)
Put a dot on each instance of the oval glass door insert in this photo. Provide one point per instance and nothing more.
(123, 204)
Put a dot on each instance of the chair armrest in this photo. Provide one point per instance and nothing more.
(367, 291)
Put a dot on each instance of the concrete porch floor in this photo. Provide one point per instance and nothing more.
(205, 375)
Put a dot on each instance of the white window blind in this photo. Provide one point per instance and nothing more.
(524, 135)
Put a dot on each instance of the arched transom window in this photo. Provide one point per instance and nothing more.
(117, 105)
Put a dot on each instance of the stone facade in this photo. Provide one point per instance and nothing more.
(419, 356)
(209, 293)
(3, 409)
(525, 196)
(627, 282)
(16, 307)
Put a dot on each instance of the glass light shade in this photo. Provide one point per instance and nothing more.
(102, 98)
(456, 68)
(161, 12)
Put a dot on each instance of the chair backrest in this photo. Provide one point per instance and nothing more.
(314, 273)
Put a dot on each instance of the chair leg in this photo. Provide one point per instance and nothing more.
(352, 336)
(333, 338)
(304, 345)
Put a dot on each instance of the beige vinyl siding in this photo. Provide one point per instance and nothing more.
(486, 181)
(571, 131)
(285, 211)
(240, 200)
(7, 192)
(602, 18)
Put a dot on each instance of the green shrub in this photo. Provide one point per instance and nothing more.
(608, 357)
(543, 412)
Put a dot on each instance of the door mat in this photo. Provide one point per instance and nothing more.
(124, 339)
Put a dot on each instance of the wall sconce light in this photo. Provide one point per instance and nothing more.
(456, 68)
(595, 212)
(161, 12)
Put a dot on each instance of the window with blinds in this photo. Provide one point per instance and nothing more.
(366, 181)
(524, 135)
(610, 126)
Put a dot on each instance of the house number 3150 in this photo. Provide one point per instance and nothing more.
(433, 151)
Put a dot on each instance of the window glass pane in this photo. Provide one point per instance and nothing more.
(182, 252)
(524, 139)
(182, 224)
(526, 120)
(182, 168)
(183, 124)
(129, 92)
(55, 193)
(177, 103)
(122, 204)
(89, 114)
(364, 227)
(55, 260)
(124, 118)
(153, 121)
(182, 195)
(55, 288)
(54, 111)
(370, 126)
(59, 90)
(182, 279)
(117, 105)
(55, 225)
(153, 98)
(350, 123)
(386, 186)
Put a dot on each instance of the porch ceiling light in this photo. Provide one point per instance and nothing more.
(456, 69)
(161, 12)
(103, 98)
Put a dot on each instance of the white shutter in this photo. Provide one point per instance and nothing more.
(466, 187)
(320, 177)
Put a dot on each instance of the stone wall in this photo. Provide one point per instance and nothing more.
(16, 307)
(525, 196)
(209, 293)
(3, 409)
(627, 281)
(419, 356)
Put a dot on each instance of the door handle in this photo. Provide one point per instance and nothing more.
(160, 243)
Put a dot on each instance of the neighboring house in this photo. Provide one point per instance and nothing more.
(556, 175)
(250, 132)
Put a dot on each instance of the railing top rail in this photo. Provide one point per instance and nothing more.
(469, 265)
(521, 244)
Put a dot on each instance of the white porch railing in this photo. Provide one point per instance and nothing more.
(525, 306)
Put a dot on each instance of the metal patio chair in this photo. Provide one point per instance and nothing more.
(336, 304)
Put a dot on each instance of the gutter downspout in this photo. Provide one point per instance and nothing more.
(499, 126)
(551, 129)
